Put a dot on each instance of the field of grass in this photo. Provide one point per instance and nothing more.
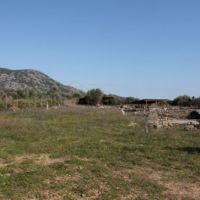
(88, 153)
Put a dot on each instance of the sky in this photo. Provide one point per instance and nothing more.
(140, 48)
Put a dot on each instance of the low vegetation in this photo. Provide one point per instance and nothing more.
(26, 99)
(89, 153)
(186, 101)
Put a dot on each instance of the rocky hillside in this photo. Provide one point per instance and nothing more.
(32, 80)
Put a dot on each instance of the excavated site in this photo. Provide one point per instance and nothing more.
(167, 116)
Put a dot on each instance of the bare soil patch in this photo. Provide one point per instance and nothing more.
(180, 190)
(2, 165)
(74, 177)
(42, 159)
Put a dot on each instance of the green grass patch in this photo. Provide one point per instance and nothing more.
(93, 154)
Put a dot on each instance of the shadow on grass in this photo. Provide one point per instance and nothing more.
(190, 150)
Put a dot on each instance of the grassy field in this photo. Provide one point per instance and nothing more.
(88, 153)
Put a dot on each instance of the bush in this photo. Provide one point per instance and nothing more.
(193, 115)
(182, 101)
(94, 97)
(130, 100)
(113, 100)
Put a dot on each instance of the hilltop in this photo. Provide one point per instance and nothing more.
(14, 80)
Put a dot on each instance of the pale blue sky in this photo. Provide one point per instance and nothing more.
(141, 48)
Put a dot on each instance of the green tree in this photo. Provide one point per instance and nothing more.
(183, 100)
(94, 97)
(130, 100)
(54, 94)
(112, 100)
(21, 94)
(4, 99)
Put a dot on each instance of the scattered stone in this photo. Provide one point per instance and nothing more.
(123, 112)
(157, 123)
(189, 128)
(132, 125)
(14, 108)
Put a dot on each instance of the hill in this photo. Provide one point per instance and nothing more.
(14, 80)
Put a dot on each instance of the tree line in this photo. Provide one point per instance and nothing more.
(97, 96)
(28, 98)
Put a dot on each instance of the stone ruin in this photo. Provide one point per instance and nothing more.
(158, 118)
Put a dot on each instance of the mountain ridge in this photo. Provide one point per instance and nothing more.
(32, 79)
